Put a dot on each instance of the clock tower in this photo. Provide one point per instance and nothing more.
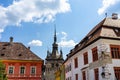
(53, 61)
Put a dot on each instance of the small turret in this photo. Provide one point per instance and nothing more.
(61, 54)
(48, 53)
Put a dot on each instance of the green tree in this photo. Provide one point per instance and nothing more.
(2, 71)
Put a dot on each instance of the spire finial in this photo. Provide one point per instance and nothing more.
(55, 38)
(105, 14)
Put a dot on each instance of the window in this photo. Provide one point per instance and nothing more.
(66, 69)
(83, 75)
(115, 51)
(57, 65)
(76, 76)
(2, 54)
(11, 70)
(95, 54)
(33, 70)
(52, 65)
(76, 62)
(85, 58)
(70, 67)
(117, 73)
(117, 32)
(70, 78)
(22, 70)
(96, 73)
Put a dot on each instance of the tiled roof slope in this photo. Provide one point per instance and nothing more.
(16, 51)
(108, 28)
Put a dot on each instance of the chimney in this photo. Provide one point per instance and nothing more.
(114, 16)
(29, 47)
(11, 39)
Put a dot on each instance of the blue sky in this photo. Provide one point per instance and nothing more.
(32, 22)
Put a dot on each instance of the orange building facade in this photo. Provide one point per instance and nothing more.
(20, 62)
(23, 70)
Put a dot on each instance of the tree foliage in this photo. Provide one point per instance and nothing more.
(2, 71)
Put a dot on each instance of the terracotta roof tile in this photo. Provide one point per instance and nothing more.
(112, 22)
(16, 51)
(108, 27)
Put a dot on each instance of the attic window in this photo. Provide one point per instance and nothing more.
(89, 36)
(3, 48)
(79, 44)
(117, 31)
(20, 55)
(2, 54)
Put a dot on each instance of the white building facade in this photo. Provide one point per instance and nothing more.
(97, 56)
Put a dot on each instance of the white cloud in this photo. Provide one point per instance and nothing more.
(107, 4)
(37, 11)
(64, 36)
(35, 43)
(66, 43)
(69, 43)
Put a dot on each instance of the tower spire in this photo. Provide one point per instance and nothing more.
(55, 45)
(55, 37)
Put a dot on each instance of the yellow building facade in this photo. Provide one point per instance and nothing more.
(60, 74)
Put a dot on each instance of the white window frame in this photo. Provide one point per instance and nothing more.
(24, 69)
(32, 68)
(9, 69)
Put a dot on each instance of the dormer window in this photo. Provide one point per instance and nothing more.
(89, 36)
(20, 55)
(2, 54)
(117, 32)
(3, 48)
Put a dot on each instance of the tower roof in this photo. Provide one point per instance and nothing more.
(54, 54)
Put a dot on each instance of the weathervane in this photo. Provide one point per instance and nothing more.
(105, 14)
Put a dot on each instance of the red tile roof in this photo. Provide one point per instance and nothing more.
(108, 28)
(16, 51)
